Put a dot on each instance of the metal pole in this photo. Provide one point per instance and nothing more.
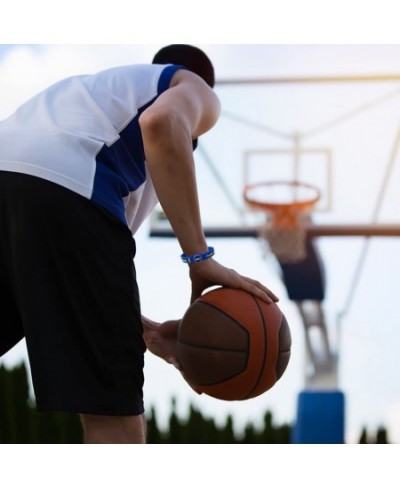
(389, 77)
(313, 230)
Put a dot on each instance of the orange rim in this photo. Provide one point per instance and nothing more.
(301, 205)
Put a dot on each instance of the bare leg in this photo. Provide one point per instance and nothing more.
(103, 429)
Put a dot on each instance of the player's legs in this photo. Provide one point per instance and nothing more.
(74, 282)
(100, 429)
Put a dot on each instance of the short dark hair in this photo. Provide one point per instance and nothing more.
(191, 57)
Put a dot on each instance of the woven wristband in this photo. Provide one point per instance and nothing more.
(197, 258)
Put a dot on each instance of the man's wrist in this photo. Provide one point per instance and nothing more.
(197, 258)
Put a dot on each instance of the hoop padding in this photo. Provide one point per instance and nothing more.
(285, 225)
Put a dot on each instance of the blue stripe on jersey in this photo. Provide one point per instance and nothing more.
(120, 168)
(166, 75)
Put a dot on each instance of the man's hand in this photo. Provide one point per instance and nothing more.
(210, 273)
(161, 339)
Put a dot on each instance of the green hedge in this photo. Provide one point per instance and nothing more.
(195, 428)
(20, 423)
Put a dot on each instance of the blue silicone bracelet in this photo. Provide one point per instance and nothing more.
(196, 258)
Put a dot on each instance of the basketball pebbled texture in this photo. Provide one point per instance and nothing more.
(232, 345)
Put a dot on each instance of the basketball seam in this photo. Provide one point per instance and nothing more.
(207, 304)
(227, 378)
(265, 349)
(200, 346)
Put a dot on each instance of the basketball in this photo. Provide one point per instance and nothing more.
(232, 345)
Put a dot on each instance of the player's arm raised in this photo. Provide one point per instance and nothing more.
(186, 110)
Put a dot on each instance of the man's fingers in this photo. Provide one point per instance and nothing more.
(259, 290)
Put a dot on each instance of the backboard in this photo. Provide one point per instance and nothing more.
(339, 133)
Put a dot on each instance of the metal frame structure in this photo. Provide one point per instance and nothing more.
(313, 230)
(356, 78)
(321, 405)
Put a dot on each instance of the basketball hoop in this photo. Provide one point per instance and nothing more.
(287, 205)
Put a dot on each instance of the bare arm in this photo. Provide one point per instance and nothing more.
(168, 127)
(185, 111)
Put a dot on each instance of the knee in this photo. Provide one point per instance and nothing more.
(104, 429)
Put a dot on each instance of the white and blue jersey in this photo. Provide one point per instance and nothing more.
(83, 133)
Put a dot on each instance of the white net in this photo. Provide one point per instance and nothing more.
(287, 206)
(286, 238)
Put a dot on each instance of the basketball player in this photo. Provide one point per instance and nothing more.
(82, 164)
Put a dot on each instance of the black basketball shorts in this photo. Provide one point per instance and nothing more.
(68, 285)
